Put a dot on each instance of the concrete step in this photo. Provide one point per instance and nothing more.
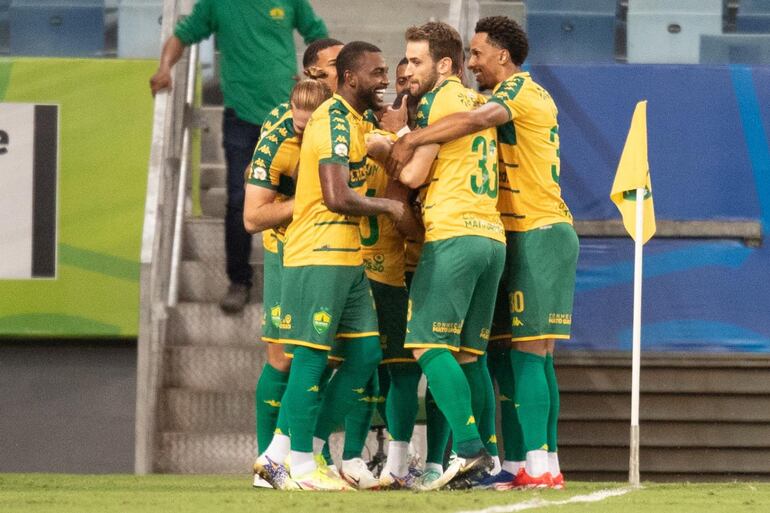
(214, 369)
(211, 135)
(234, 452)
(611, 459)
(665, 379)
(194, 411)
(399, 13)
(204, 324)
(213, 175)
(202, 281)
(666, 407)
(214, 202)
(195, 453)
(665, 434)
(204, 239)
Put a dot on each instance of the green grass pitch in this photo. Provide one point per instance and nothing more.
(32, 493)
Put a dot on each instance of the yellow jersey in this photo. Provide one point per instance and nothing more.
(273, 166)
(382, 245)
(530, 195)
(462, 190)
(273, 117)
(317, 236)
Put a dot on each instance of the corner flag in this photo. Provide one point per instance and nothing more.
(634, 173)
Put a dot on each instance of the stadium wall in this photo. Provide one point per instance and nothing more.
(67, 407)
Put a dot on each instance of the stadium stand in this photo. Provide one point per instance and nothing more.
(568, 31)
(139, 23)
(4, 4)
(674, 27)
(735, 49)
(71, 28)
(753, 17)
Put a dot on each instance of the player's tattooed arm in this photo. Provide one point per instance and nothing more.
(446, 129)
(410, 225)
(260, 211)
(341, 199)
(416, 172)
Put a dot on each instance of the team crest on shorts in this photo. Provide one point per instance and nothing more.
(321, 321)
(275, 315)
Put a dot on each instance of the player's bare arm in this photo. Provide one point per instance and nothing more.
(447, 129)
(409, 225)
(261, 212)
(172, 52)
(341, 199)
(378, 147)
(416, 171)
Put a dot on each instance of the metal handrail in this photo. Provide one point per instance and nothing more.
(176, 251)
(157, 235)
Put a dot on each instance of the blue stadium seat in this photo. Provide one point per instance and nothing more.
(735, 49)
(662, 31)
(753, 17)
(4, 5)
(139, 23)
(60, 28)
(571, 31)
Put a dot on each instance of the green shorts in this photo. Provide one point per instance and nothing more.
(271, 294)
(452, 295)
(541, 265)
(322, 303)
(391, 315)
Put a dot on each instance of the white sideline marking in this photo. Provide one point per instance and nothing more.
(540, 503)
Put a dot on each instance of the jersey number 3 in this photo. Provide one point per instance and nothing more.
(485, 184)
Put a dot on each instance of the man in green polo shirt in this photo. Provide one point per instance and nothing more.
(258, 64)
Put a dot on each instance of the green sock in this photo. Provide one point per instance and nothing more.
(384, 376)
(402, 400)
(348, 384)
(553, 413)
(267, 402)
(436, 431)
(512, 438)
(302, 396)
(453, 396)
(359, 420)
(487, 428)
(532, 398)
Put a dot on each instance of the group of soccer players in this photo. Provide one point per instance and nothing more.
(428, 237)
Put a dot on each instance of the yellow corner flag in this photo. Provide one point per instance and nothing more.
(634, 172)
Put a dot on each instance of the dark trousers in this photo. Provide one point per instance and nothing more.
(239, 138)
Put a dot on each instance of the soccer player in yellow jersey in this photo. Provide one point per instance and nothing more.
(268, 208)
(325, 293)
(542, 245)
(452, 295)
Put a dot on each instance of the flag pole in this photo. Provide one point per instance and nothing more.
(633, 467)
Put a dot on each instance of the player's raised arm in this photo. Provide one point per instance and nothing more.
(447, 129)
